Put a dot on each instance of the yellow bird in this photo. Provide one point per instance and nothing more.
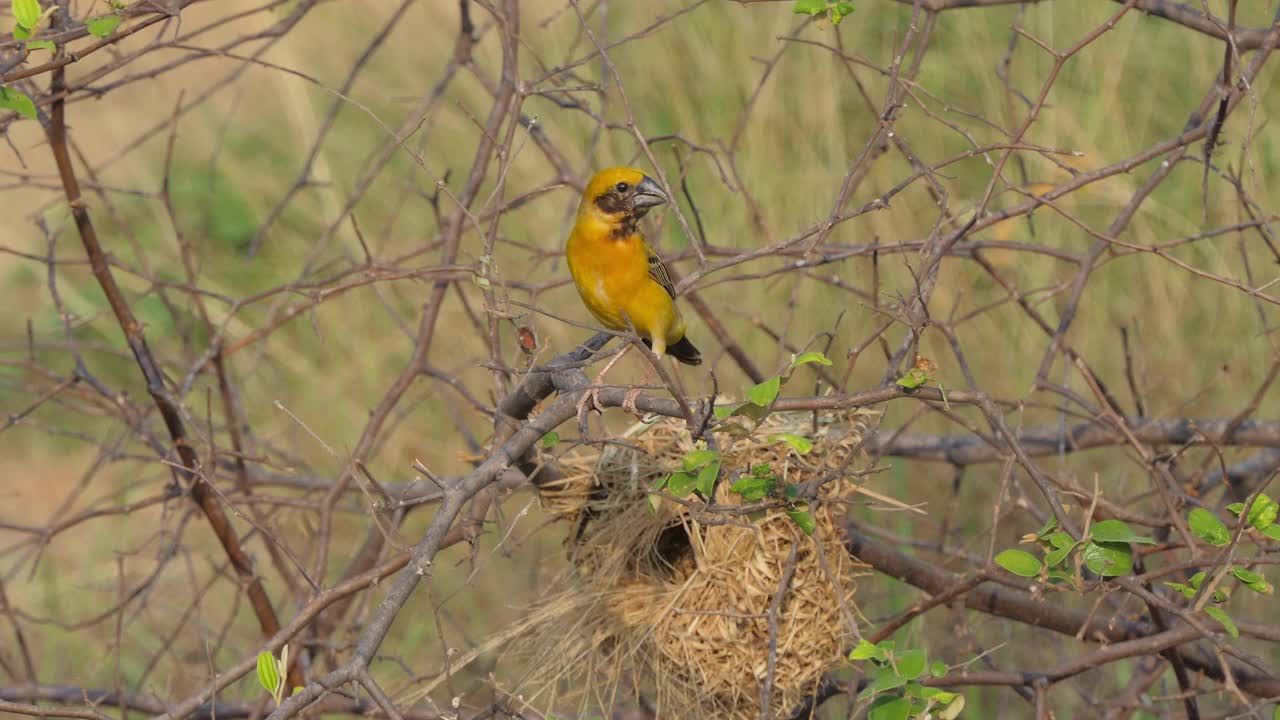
(621, 279)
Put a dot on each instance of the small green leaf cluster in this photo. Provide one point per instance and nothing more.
(701, 468)
(1262, 515)
(760, 397)
(759, 484)
(1209, 528)
(835, 11)
(103, 25)
(11, 99)
(1262, 518)
(1105, 551)
(914, 378)
(28, 15)
(763, 483)
(896, 687)
(699, 471)
(921, 374)
(1192, 587)
(272, 673)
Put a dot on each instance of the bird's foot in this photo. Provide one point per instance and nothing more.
(589, 401)
(629, 401)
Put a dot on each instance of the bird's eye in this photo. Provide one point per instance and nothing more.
(622, 187)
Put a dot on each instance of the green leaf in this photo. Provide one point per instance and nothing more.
(1272, 532)
(745, 409)
(1245, 576)
(296, 690)
(809, 7)
(1196, 580)
(1252, 580)
(1218, 614)
(11, 99)
(1046, 532)
(799, 443)
(1188, 592)
(803, 519)
(652, 497)
(1019, 562)
(681, 483)
(887, 680)
(1208, 527)
(1057, 556)
(911, 663)
(724, 411)
(938, 669)
(942, 697)
(550, 440)
(752, 488)
(27, 13)
(1061, 540)
(765, 393)
(103, 25)
(268, 673)
(864, 650)
(20, 32)
(1058, 576)
(706, 483)
(810, 357)
(914, 378)
(1108, 559)
(698, 458)
(1116, 531)
(844, 8)
(1263, 513)
(952, 710)
(1235, 509)
(41, 45)
(890, 708)
(1262, 587)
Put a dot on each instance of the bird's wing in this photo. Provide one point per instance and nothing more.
(658, 271)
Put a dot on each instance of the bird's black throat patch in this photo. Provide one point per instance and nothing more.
(626, 228)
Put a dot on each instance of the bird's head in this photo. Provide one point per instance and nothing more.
(621, 195)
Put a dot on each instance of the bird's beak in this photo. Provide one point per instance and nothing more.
(648, 194)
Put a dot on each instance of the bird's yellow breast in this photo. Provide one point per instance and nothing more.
(612, 276)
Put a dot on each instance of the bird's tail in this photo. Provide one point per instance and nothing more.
(685, 352)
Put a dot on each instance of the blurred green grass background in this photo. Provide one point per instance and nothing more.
(1200, 347)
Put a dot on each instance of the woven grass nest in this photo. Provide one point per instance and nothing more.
(674, 603)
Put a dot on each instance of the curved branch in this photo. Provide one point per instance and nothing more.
(1039, 442)
(189, 468)
(1029, 610)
